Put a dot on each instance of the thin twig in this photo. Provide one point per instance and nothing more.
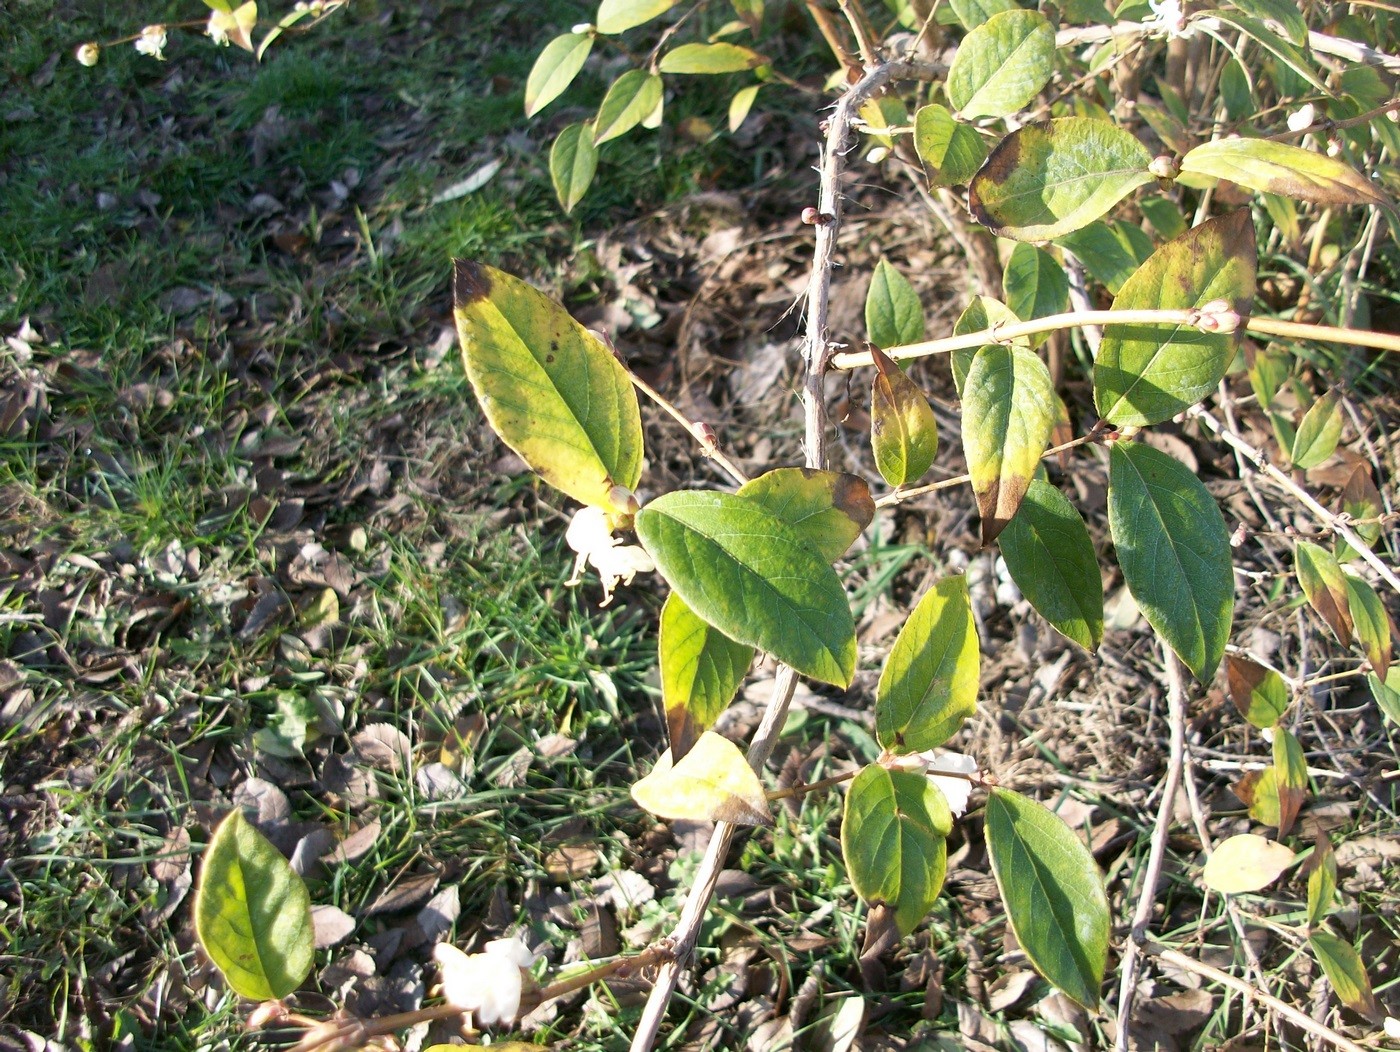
(1283, 1008)
(900, 495)
(707, 443)
(1147, 894)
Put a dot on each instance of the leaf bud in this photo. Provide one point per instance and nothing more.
(708, 438)
(1165, 167)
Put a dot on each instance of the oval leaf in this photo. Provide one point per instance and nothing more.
(951, 152)
(252, 913)
(1387, 692)
(1318, 432)
(1036, 285)
(555, 69)
(1322, 881)
(753, 577)
(893, 313)
(1145, 374)
(1258, 692)
(894, 840)
(1049, 178)
(710, 58)
(1008, 414)
(701, 670)
(1053, 892)
(1370, 623)
(1290, 778)
(573, 161)
(1051, 558)
(1002, 64)
(829, 508)
(1278, 168)
(1345, 972)
(631, 99)
(1325, 586)
(740, 105)
(1246, 862)
(903, 429)
(549, 388)
(1110, 252)
(929, 683)
(982, 313)
(1175, 552)
(1361, 500)
(711, 783)
(618, 16)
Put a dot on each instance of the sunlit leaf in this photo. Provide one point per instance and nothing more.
(1345, 973)
(555, 69)
(252, 913)
(893, 313)
(573, 161)
(1145, 374)
(1036, 285)
(618, 16)
(1051, 558)
(972, 13)
(1008, 414)
(741, 104)
(1325, 586)
(1291, 58)
(928, 686)
(1278, 168)
(1268, 374)
(903, 429)
(1258, 790)
(1362, 501)
(951, 151)
(631, 99)
(1049, 178)
(549, 388)
(1286, 14)
(1258, 692)
(1387, 692)
(1053, 892)
(981, 314)
(829, 509)
(1291, 779)
(1246, 862)
(1175, 552)
(1318, 432)
(701, 670)
(711, 783)
(710, 58)
(1322, 881)
(753, 577)
(1370, 623)
(893, 839)
(1002, 64)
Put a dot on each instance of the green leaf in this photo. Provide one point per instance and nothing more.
(881, 116)
(710, 58)
(1345, 972)
(894, 841)
(1290, 778)
(1051, 558)
(1175, 552)
(903, 430)
(1247, 862)
(740, 105)
(1108, 251)
(1235, 91)
(1370, 623)
(701, 670)
(1318, 432)
(981, 314)
(1008, 414)
(1277, 168)
(1268, 374)
(1165, 216)
(1145, 374)
(549, 388)
(753, 577)
(951, 152)
(1322, 881)
(711, 783)
(631, 99)
(1290, 56)
(1259, 792)
(1053, 892)
(618, 16)
(1361, 500)
(751, 12)
(1258, 692)
(929, 683)
(1387, 692)
(893, 313)
(573, 160)
(555, 69)
(972, 13)
(1284, 13)
(252, 913)
(1036, 285)
(1325, 586)
(829, 509)
(1002, 64)
(1049, 178)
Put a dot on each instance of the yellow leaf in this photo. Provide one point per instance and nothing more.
(1246, 862)
(712, 782)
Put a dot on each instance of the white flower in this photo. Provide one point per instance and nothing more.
(962, 769)
(220, 22)
(1170, 15)
(88, 54)
(1392, 1027)
(486, 984)
(152, 41)
(1302, 117)
(590, 536)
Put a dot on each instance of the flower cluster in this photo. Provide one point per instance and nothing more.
(486, 984)
(590, 536)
